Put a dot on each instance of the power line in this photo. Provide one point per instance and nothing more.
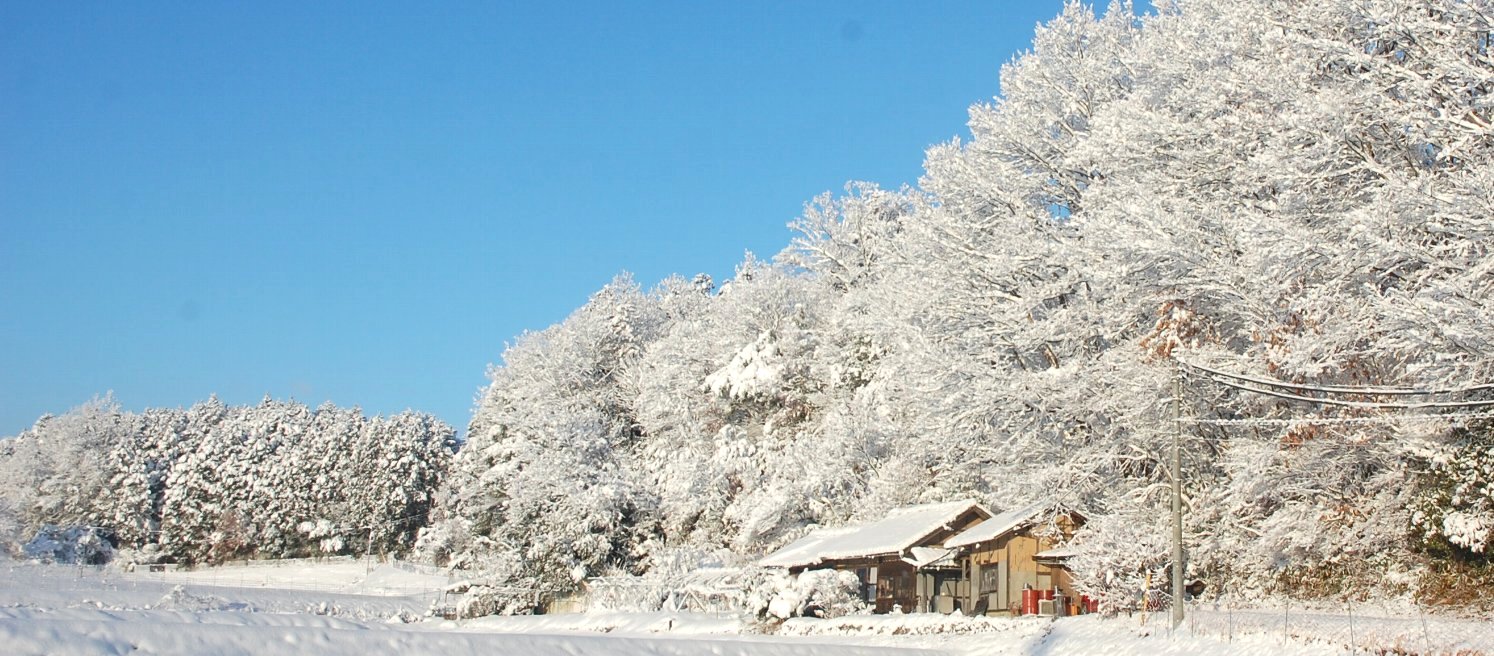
(1382, 419)
(1275, 388)
(1336, 389)
(1366, 405)
(1263, 386)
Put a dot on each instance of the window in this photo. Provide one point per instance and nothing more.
(868, 577)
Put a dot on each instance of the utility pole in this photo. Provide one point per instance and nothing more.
(1177, 495)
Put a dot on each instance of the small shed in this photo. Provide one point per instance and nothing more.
(901, 560)
(1021, 548)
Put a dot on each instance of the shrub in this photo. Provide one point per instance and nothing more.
(80, 545)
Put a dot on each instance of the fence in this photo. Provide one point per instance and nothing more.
(702, 591)
(1374, 628)
(258, 576)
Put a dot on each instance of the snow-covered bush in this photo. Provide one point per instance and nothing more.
(1455, 507)
(811, 593)
(149, 554)
(327, 535)
(480, 600)
(72, 545)
(11, 531)
(1471, 531)
(678, 579)
(1117, 555)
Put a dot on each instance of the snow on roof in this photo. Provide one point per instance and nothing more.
(1059, 553)
(803, 550)
(995, 527)
(925, 556)
(901, 529)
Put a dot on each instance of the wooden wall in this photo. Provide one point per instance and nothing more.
(896, 585)
(999, 569)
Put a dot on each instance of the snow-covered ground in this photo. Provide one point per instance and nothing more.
(346, 607)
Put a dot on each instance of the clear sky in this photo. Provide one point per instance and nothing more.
(364, 202)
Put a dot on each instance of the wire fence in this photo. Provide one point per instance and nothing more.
(1358, 627)
(218, 590)
(83, 578)
(721, 593)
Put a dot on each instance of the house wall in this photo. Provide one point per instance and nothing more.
(1006, 566)
(896, 581)
(1061, 578)
(896, 586)
(942, 590)
(899, 584)
(1001, 568)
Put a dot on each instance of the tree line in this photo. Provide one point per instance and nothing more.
(1293, 191)
(216, 482)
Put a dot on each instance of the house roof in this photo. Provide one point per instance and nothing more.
(921, 557)
(901, 530)
(1060, 553)
(803, 550)
(996, 527)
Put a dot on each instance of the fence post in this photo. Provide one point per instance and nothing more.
(1352, 641)
(1193, 620)
(1426, 637)
(1286, 620)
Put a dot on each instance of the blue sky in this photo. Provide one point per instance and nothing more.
(363, 203)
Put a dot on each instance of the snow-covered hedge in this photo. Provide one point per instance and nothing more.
(468, 599)
(1456, 506)
(71, 545)
(813, 593)
(1119, 556)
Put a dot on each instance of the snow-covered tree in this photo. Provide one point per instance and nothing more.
(1297, 191)
(216, 482)
(552, 503)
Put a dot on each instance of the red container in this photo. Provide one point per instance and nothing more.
(1030, 601)
(1048, 594)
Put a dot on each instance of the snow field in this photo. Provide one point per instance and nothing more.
(60, 610)
(103, 632)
